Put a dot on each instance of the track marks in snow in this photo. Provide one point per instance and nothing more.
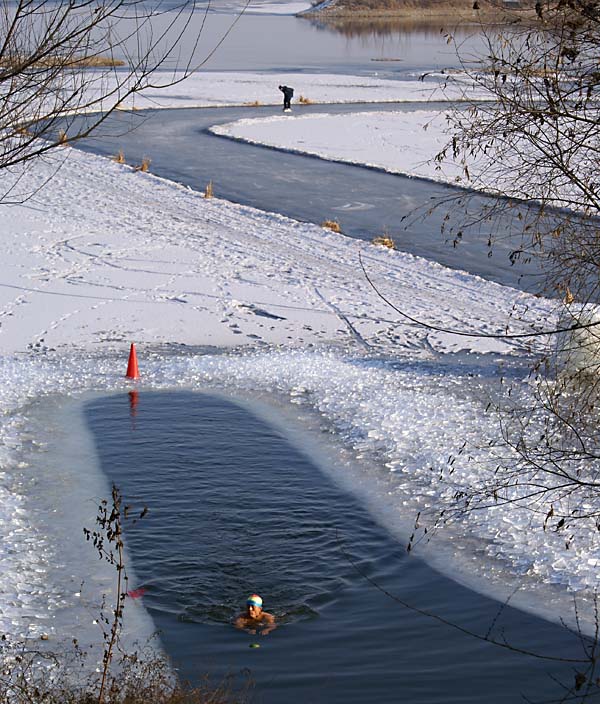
(173, 266)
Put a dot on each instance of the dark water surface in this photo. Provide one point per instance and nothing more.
(234, 508)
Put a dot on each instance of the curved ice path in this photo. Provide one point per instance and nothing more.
(365, 202)
(397, 415)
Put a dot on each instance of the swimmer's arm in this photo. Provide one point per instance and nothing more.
(268, 621)
(241, 622)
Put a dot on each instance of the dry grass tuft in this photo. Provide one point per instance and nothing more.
(384, 241)
(62, 138)
(569, 297)
(303, 100)
(253, 104)
(98, 62)
(332, 225)
(145, 165)
(120, 157)
(208, 192)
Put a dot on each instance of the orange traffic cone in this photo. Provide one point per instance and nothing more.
(132, 365)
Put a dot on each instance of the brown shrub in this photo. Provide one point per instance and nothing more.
(332, 225)
(36, 677)
(384, 241)
(145, 165)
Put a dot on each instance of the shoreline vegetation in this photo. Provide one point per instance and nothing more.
(420, 12)
(65, 62)
(31, 675)
(105, 671)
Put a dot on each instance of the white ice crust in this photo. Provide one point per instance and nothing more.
(276, 8)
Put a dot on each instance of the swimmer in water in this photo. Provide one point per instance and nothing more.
(254, 620)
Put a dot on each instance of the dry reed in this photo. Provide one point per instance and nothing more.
(384, 241)
(332, 225)
(145, 165)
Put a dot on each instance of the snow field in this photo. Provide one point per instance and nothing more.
(408, 143)
(111, 247)
(223, 88)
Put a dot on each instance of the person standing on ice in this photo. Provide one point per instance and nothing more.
(288, 94)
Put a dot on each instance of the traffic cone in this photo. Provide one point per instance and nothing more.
(132, 365)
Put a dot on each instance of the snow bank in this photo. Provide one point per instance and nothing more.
(222, 88)
(397, 142)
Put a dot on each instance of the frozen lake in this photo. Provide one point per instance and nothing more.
(205, 467)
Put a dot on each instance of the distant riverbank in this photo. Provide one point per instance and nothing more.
(426, 11)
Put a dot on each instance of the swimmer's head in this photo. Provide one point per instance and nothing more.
(254, 604)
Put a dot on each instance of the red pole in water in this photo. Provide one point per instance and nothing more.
(132, 365)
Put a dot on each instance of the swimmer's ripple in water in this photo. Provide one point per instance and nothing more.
(219, 614)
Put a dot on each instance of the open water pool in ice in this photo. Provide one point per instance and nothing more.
(385, 423)
(236, 507)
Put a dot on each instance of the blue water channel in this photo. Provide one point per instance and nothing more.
(364, 201)
(235, 508)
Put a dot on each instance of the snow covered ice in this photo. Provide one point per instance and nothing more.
(224, 88)
(102, 255)
(406, 142)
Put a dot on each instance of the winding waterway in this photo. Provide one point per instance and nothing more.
(365, 202)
